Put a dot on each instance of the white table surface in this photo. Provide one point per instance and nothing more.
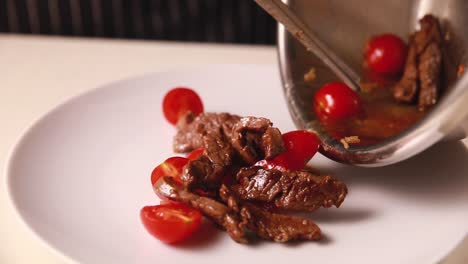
(37, 73)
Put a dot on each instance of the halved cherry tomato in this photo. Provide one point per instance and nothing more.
(300, 145)
(195, 154)
(336, 101)
(385, 54)
(171, 167)
(170, 222)
(167, 202)
(281, 163)
(179, 101)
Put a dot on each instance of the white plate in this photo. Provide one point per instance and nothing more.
(80, 175)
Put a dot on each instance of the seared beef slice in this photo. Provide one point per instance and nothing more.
(210, 208)
(229, 142)
(254, 138)
(422, 73)
(208, 170)
(290, 190)
(430, 63)
(406, 90)
(238, 218)
(210, 131)
(270, 226)
(192, 129)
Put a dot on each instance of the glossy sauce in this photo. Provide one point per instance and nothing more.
(381, 117)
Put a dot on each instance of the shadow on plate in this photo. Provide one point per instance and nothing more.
(341, 215)
(439, 174)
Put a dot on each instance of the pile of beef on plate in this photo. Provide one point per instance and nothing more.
(244, 199)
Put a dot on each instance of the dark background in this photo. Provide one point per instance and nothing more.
(225, 21)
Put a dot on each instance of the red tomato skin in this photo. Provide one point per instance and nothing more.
(178, 101)
(196, 153)
(170, 222)
(336, 101)
(386, 54)
(300, 145)
(171, 167)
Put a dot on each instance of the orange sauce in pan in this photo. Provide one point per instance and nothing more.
(381, 117)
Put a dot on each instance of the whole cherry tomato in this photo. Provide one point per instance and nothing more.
(385, 54)
(171, 167)
(178, 101)
(336, 101)
(300, 145)
(170, 222)
(195, 153)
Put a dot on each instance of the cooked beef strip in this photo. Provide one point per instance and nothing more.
(203, 174)
(423, 66)
(212, 209)
(429, 72)
(200, 174)
(229, 142)
(218, 149)
(208, 170)
(430, 61)
(428, 33)
(270, 226)
(238, 218)
(254, 138)
(406, 90)
(192, 129)
(210, 131)
(289, 190)
(272, 143)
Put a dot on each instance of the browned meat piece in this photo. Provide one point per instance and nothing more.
(192, 130)
(428, 42)
(218, 149)
(206, 175)
(228, 141)
(210, 131)
(423, 66)
(429, 33)
(289, 190)
(237, 218)
(406, 90)
(278, 227)
(272, 143)
(208, 170)
(429, 73)
(212, 209)
(254, 138)
(271, 226)
(200, 174)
